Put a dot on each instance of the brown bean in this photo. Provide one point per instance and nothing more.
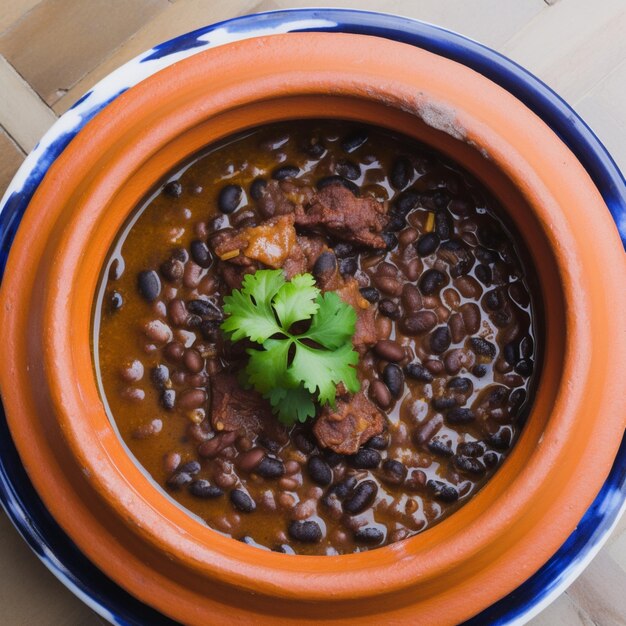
(457, 327)
(193, 361)
(224, 481)
(443, 313)
(408, 236)
(451, 298)
(178, 378)
(286, 500)
(249, 460)
(132, 371)
(213, 447)
(171, 461)
(411, 298)
(471, 317)
(418, 323)
(198, 380)
(468, 287)
(192, 399)
(192, 275)
(159, 308)
(148, 430)
(174, 351)
(199, 432)
(244, 444)
(288, 484)
(502, 366)
(387, 284)
(383, 327)
(134, 394)
(208, 285)
(387, 269)
(158, 332)
(177, 312)
(413, 269)
(380, 394)
(292, 467)
(389, 350)
(428, 429)
(304, 510)
(434, 366)
(456, 359)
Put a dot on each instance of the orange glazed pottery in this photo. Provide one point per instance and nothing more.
(127, 526)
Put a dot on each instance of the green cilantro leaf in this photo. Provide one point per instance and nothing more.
(293, 371)
(334, 323)
(249, 309)
(322, 370)
(296, 300)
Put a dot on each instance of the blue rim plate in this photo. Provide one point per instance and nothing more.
(17, 494)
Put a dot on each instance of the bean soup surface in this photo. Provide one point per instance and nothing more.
(446, 334)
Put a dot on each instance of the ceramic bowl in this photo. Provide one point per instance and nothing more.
(152, 548)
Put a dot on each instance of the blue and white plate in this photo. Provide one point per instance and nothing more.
(18, 496)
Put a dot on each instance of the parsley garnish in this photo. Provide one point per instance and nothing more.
(293, 370)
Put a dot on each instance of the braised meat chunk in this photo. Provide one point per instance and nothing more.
(352, 422)
(338, 212)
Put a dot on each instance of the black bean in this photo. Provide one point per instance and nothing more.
(338, 180)
(159, 375)
(484, 274)
(494, 300)
(347, 169)
(343, 249)
(200, 253)
(443, 225)
(460, 416)
(365, 458)
(396, 222)
(173, 189)
(303, 441)
(205, 309)
(285, 171)
(441, 404)
(406, 202)
(482, 347)
(257, 188)
(418, 323)
(511, 352)
(210, 330)
(457, 256)
(524, 367)
(485, 255)
(389, 309)
(490, 459)
(470, 448)
(401, 173)
(178, 480)
(249, 541)
(362, 496)
(116, 301)
(149, 285)
(284, 548)
(168, 399)
(378, 442)
(394, 471)
(427, 244)
(526, 346)
(319, 471)
(172, 270)
(442, 491)
(497, 395)
(370, 535)
(325, 265)
(391, 241)
(394, 379)
(354, 140)
(204, 489)
(193, 322)
(371, 294)
(348, 266)
(441, 199)
(431, 281)
(500, 440)
(314, 147)
(229, 198)
(479, 370)
(191, 467)
(242, 501)
(269, 444)
(490, 235)
(460, 384)
(469, 465)
(440, 340)
(270, 467)
(418, 372)
(439, 447)
(332, 458)
(306, 531)
(516, 399)
(340, 490)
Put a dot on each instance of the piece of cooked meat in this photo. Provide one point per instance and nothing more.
(336, 211)
(352, 422)
(245, 411)
(303, 255)
(273, 201)
(365, 328)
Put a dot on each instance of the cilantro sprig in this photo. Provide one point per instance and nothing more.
(293, 370)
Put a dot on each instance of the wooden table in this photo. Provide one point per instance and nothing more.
(52, 51)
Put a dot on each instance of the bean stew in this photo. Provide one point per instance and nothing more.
(446, 333)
